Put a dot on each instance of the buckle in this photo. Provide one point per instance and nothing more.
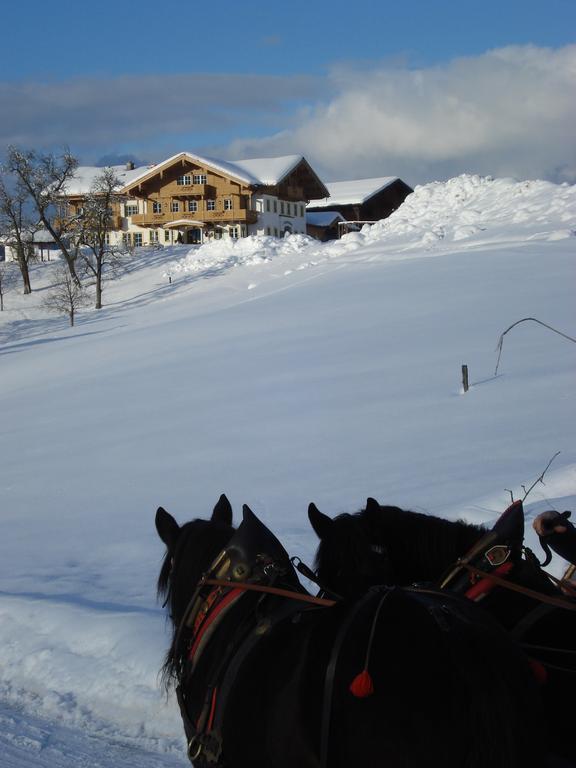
(497, 554)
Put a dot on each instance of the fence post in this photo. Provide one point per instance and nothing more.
(465, 378)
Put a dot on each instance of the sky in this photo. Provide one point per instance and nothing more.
(424, 90)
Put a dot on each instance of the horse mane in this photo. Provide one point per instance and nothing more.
(420, 546)
(411, 546)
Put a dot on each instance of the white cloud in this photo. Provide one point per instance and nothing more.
(510, 111)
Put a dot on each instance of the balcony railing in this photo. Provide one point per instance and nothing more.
(161, 219)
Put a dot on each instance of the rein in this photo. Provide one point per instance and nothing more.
(558, 602)
(268, 590)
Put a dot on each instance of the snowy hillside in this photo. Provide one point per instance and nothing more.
(278, 372)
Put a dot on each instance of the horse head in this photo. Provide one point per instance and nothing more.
(353, 553)
(190, 550)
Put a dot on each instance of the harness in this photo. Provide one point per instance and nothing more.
(250, 589)
(491, 562)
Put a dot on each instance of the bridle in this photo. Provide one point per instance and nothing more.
(231, 578)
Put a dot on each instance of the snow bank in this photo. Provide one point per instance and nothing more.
(479, 209)
(93, 669)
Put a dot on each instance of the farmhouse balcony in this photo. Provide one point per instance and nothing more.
(240, 215)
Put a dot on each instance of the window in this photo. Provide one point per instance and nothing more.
(199, 178)
(275, 206)
(126, 239)
(267, 230)
(210, 205)
(137, 239)
(233, 232)
(267, 205)
(184, 181)
(166, 235)
(130, 209)
(302, 211)
(281, 207)
(174, 206)
(156, 207)
(153, 236)
(107, 238)
(192, 206)
(228, 204)
(275, 232)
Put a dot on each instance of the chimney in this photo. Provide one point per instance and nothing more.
(130, 165)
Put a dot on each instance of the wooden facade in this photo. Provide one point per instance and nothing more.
(203, 200)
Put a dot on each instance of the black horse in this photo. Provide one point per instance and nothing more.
(268, 676)
(389, 545)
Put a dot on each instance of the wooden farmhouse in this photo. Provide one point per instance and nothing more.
(360, 201)
(192, 199)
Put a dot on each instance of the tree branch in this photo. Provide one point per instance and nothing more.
(524, 319)
(541, 478)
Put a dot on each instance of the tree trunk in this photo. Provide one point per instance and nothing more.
(24, 271)
(72, 267)
(26, 279)
(71, 317)
(99, 288)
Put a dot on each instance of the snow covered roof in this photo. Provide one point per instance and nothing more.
(354, 192)
(85, 175)
(266, 171)
(269, 170)
(323, 218)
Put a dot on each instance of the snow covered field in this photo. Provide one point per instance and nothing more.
(278, 372)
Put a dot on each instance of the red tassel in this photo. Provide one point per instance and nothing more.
(362, 685)
(539, 671)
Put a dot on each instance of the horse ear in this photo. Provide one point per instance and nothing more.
(372, 505)
(321, 523)
(168, 529)
(222, 511)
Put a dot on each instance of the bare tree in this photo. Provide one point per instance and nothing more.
(17, 226)
(66, 296)
(100, 256)
(44, 177)
(7, 280)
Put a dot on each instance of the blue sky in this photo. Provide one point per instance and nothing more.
(149, 78)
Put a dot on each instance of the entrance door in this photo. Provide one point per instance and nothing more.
(193, 236)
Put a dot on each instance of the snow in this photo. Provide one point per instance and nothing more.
(279, 372)
(268, 170)
(85, 176)
(353, 192)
